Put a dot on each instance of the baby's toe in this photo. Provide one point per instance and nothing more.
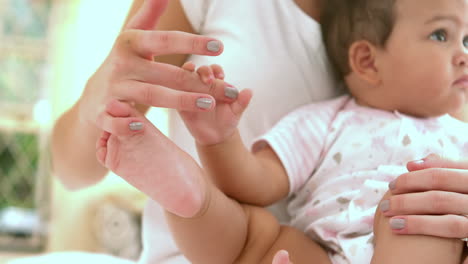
(206, 74)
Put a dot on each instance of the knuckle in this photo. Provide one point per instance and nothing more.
(397, 204)
(125, 39)
(163, 40)
(185, 102)
(133, 40)
(458, 228)
(195, 43)
(147, 95)
(438, 179)
(437, 201)
(117, 66)
(403, 180)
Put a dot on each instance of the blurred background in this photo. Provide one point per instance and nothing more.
(48, 50)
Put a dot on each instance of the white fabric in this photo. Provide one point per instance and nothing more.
(272, 47)
(340, 157)
(305, 128)
(70, 258)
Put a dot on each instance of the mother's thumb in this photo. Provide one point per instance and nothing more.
(147, 15)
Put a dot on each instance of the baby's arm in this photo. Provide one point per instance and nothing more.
(254, 178)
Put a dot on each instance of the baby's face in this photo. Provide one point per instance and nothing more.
(424, 66)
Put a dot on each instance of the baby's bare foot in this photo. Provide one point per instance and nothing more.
(138, 152)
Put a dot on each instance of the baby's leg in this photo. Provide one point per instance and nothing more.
(262, 235)
(137, 151)
(208, 226)
(412, 249)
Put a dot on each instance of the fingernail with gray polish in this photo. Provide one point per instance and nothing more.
(213, 46)
(384, 205)
(204, 103)
(397, 223)
(135, 126)
(392, 185)
(231, 92)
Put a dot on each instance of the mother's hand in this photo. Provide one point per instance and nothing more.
(431, 199)
(130, 74)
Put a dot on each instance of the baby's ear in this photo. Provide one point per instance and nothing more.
(362, 61)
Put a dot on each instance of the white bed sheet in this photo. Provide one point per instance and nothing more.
(70, 258)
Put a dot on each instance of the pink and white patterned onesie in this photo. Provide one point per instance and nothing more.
(340, 157)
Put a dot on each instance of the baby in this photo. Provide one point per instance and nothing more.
(405, 65)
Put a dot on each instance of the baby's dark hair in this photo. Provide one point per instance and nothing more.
(346, 21)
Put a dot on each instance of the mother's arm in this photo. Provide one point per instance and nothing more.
(432, 198)
(129, 73)
(310, 7)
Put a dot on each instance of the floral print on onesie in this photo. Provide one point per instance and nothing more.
(340, 157)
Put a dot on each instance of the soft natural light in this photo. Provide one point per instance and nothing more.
(84, 35)
(42, 112)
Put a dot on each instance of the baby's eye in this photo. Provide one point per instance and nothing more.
(465, 42)
(439, 35)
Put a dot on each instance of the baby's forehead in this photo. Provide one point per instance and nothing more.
(430, 8)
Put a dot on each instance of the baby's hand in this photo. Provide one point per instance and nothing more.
(216, 125)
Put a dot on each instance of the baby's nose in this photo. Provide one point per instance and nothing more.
(461, 59)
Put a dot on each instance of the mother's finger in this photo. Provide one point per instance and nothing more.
(154, 43)
(442, 179)
(116, 117)
(450, 226)
(119, 126)
(147, 15)
(177, 78)
(159, 96)
(422, 203)
(437, 161)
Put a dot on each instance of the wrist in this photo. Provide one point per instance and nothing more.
(226, 142)
(215, 156)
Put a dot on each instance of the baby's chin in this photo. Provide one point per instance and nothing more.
(433, 110)
(454, 109)
(460, 109)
